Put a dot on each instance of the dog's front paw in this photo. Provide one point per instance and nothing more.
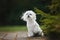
(30, 35)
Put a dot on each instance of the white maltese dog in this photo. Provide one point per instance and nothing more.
(33, 27)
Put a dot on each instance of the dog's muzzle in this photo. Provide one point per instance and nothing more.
(28, 16)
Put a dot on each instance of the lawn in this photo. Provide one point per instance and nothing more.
(12, 28)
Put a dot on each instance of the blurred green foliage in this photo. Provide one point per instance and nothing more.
(54, 7)
(50, 23)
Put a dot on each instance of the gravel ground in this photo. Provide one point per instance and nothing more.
(21, 35)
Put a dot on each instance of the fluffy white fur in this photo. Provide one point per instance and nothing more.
(32, 25)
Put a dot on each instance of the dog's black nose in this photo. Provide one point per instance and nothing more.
(28, 16)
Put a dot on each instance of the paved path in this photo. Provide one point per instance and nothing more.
(22, 35)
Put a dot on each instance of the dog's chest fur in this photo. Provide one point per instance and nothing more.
(32, 26)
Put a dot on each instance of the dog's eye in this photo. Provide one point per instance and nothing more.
(30, 14)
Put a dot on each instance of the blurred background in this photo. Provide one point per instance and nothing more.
(48, 15)
(11, 10)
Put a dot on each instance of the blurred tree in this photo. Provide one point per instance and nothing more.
(50, 23)
(54, 7)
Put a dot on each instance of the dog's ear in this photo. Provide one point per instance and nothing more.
(23, 18)
(35, 17)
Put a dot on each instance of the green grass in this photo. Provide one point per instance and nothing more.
(12, 28)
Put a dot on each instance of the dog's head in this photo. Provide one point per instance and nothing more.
(29, 15)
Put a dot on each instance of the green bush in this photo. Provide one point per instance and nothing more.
(50, 23)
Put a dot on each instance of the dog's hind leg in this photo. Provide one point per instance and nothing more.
(41, 33)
